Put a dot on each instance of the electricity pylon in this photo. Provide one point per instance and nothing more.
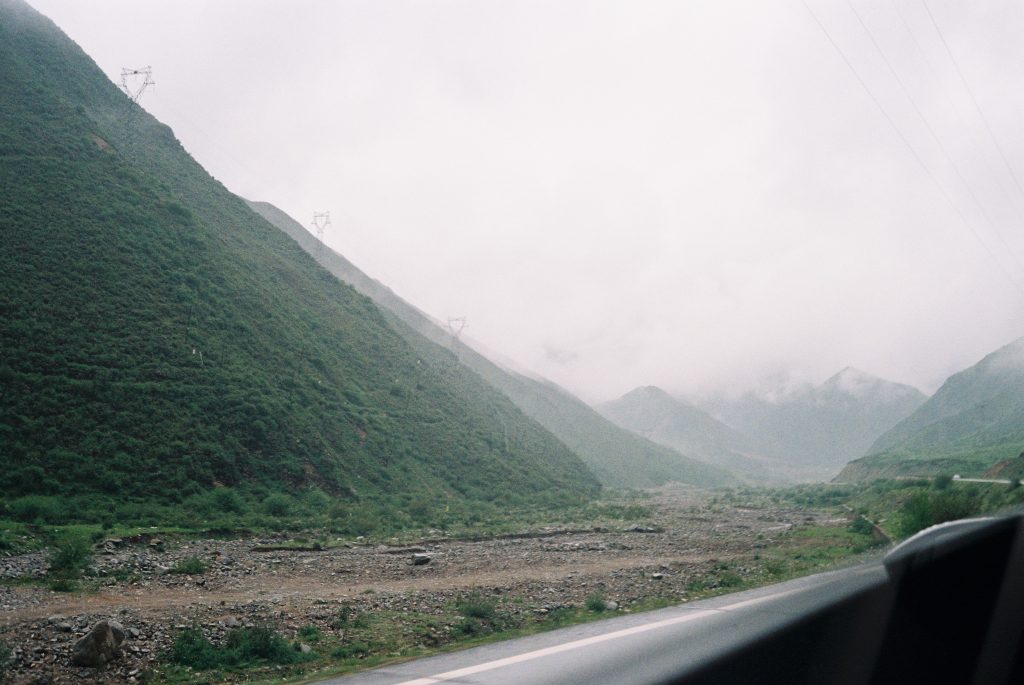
(321, 220)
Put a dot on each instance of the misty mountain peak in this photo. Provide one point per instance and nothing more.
(647, 393)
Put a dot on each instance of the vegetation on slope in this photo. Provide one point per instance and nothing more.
(973, 421)
(161, 339)
(618, 457)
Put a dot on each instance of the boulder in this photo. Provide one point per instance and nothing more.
(101, 644)
(419, 559)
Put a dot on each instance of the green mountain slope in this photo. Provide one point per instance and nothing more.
(973, 421)
(618, 457)
(820, 428)
(160, 338)
(656, 415)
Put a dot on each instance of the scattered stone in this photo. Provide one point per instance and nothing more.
(101, 644)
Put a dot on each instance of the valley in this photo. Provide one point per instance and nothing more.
(369, 602)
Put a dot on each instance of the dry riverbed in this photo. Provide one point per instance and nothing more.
(338, 596)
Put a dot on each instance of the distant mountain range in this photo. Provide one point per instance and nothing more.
(818, 429)
(618, 457)
(974, 421)
(653, 413)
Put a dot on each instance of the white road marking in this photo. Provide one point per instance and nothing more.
(576, 644)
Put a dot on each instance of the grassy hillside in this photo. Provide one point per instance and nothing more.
(973, 421)
(618, 457)
(160, 338)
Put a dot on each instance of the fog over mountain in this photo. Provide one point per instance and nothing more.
(705, 196)
(820, 427)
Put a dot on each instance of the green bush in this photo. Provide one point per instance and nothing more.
(227, 500)
(70, 554)
(38, 509)
(191, 648)
(190, 566)
(260, 642)
(596, 603)
(475, 605)
(861, 526)
(243, 646)
(924, 509)
(310, 633)
(278, 505)
(942, 482)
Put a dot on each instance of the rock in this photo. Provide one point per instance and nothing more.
(64, 627)
(419, 559)
(101, 644)
(304, 648)
(657, 576)
(611, 606)
(231, 622)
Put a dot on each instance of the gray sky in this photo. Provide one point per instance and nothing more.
(695, 195)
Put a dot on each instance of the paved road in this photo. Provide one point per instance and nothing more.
(644, 647)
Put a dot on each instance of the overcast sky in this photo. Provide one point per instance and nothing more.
(695, 195)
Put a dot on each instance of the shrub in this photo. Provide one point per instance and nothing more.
(923, 509)
(190, 566)
(942, 482)
(38, 509)
(310, 633)
(243, 646)
(862, 526)
(595, 603)
(228, 501)
(191, 648)
(70, 554)
(476, 605)
(278, 505)
(260, 642)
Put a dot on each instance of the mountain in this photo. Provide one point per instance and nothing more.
(820, 428)
(656, 415)
(973, 421)
(161, 339)
(618, 457)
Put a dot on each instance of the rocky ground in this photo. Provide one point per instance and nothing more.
(251, 581)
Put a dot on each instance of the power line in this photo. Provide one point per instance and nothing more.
(967, 87)
(910, 148)
(934, 135)
(1010, 195)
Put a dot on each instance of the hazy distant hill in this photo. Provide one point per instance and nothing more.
(821, 428)
(160, 338)
(618, 457)
(656, 415)
(974, 420)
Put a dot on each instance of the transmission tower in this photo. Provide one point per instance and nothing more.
(135, 81)
(456, 325)
(321, 220)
